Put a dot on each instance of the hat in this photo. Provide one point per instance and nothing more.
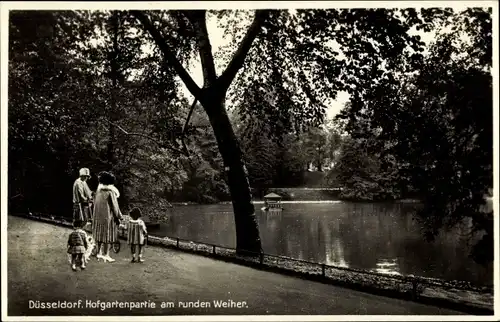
(84, 172)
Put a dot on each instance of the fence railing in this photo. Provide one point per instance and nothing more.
(415, 286)
(261, 256)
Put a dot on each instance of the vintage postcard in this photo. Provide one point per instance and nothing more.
(210, 160)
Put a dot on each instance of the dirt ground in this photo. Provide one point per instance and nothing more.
(38, 271)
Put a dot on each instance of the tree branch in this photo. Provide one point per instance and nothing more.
(169, 55)
(198, 19)
(239, 57)
(185, 148)
(189, 116)
(131, 155)
(147, 137)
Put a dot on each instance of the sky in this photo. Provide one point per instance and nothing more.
(217, 39)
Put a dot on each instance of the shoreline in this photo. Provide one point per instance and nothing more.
(261, 202)
(470, 299)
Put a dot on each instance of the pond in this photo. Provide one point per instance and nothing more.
(377, 237)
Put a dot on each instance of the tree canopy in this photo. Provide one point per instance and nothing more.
(102, 89)
(435, 121)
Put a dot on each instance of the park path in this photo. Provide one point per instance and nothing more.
(38, 270)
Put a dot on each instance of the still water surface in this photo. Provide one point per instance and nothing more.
(378, 237)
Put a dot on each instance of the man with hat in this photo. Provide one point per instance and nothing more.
(82, 197)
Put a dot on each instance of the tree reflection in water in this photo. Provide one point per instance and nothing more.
(378, 237)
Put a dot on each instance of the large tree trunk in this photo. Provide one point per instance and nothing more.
(247, 228)
(212, 97)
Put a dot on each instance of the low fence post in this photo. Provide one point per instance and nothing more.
(177, 242)
(323, 270)
(213, 249)
(414, 289)
(261, 258)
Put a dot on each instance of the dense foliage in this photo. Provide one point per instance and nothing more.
(102, 90)
(73, 101)
(284, 161)
(435, 122)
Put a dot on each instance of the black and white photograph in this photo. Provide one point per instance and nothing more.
(212, 160)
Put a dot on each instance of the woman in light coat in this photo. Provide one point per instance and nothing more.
(107, 215)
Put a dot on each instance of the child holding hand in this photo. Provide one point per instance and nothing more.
(136, 235)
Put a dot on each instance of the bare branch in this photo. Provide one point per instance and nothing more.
(239, 57)
(146, 137)
(184, 146)
(169, 55)
(189, 116)
(148, 121)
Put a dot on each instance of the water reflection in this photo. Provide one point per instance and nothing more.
(388, 266)
(378, 237)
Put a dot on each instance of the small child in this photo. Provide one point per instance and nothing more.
(88, 252)
(77, 245)
(136, 234)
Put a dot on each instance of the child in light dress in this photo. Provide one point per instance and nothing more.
(77, 245)
(136, 235)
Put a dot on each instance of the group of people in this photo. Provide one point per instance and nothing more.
(101, 210)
